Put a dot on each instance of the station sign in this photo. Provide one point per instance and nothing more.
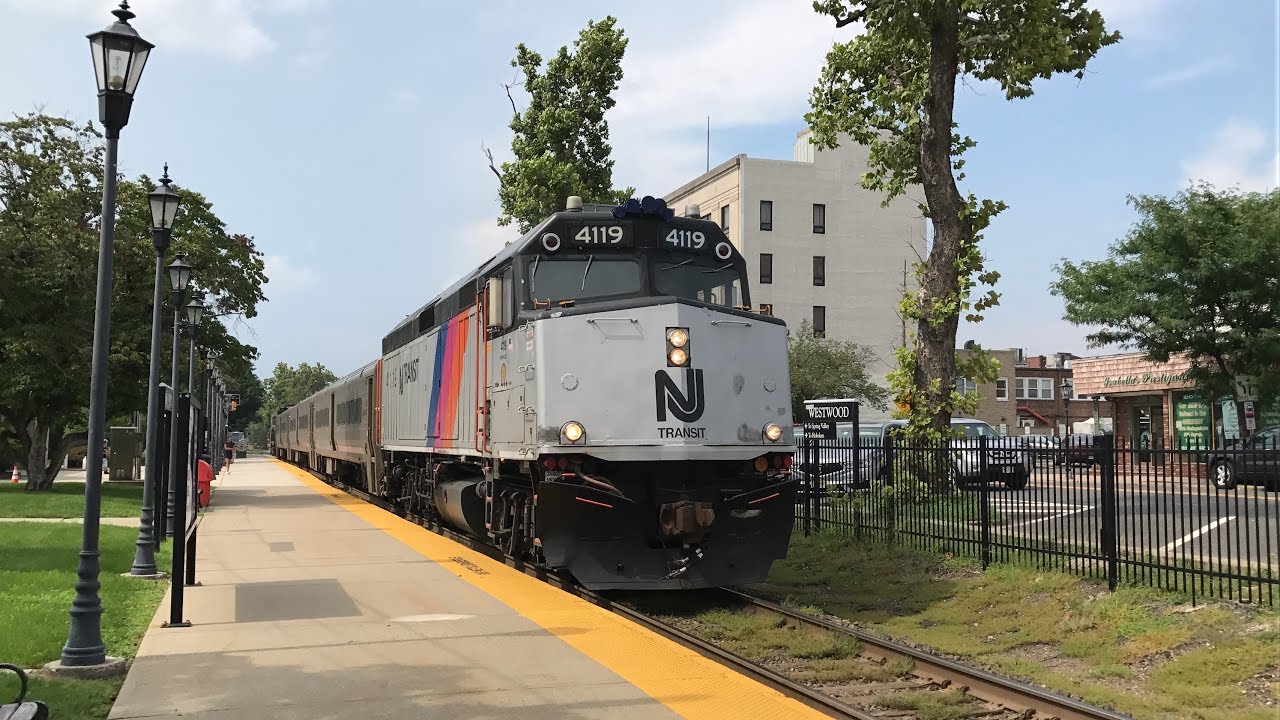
(830, 411)
(823, 430)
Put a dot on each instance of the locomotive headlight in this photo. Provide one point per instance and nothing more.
(572, 431)
(677, 347)
(772, 432)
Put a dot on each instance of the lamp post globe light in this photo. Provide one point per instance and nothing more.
(164, 208)
(119, 56)
(179, 279)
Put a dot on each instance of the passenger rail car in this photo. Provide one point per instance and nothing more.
(598, 397)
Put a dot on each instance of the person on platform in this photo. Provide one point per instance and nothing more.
(229, 452)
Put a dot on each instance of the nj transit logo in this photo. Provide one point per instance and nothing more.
(685, 407)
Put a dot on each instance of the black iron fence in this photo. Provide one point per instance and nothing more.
(1200, 521)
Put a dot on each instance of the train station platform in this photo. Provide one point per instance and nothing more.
(313, 604)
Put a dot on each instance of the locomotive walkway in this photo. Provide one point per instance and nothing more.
(315, 605)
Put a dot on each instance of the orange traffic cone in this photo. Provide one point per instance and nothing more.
(14, 477)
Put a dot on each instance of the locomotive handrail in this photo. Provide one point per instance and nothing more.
(618, 319)
(731, 322)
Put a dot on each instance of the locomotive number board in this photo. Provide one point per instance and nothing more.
(601, 234)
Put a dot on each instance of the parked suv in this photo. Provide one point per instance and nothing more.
(1257, 460)
(1008, 458)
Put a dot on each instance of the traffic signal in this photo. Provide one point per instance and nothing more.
(234, 403)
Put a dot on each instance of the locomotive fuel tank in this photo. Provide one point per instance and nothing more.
(461, 505)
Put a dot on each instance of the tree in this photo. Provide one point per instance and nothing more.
(50, 206)
(1197, 275)
(825, 368)
(289, 386)
(561, 142)
(893, 90)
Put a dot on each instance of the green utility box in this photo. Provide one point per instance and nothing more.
(124, 453)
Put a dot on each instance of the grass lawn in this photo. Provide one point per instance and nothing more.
(1142, 652)
(66, 500)
(37, 584)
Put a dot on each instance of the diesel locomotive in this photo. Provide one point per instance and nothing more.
(599, 398)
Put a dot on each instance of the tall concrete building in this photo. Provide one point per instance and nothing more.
(819, 247)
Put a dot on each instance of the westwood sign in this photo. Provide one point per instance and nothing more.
(830, 410)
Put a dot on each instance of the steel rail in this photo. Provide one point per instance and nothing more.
(1017, 696)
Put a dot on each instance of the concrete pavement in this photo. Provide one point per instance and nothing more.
(314, 605)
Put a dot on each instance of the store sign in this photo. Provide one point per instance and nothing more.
(1191, 421)
(1146, 378)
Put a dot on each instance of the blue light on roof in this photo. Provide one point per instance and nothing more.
(649, 205)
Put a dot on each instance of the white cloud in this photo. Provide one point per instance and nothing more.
(754, 65)
(283, 277)
(218, 27)
(1185, 74)
(1238, 154)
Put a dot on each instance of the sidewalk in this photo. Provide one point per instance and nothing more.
(314, 605)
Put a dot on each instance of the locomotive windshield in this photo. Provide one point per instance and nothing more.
(582, 277)
(701, 278)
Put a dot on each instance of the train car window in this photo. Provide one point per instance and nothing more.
(581, 277)
(704, 279)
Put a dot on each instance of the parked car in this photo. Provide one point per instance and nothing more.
(1043, 448)
(836, 460)
(1008, 458)
(1077, 449)
(1256, 460)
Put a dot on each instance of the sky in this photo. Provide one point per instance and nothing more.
(348, 138)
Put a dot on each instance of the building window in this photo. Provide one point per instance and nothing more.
(1034, 388)
(965, 386)
(819, 270)
(766, 269)
(724, 219)
(766, 215)
(1002, 388)
(819, 218)
(819, 320)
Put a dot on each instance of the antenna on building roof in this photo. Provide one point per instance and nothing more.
(708, 143)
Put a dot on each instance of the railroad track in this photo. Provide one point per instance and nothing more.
(994, 697)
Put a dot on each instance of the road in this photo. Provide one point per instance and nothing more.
(1167, 520)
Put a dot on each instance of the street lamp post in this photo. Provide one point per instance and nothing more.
(164, 208)
(179, 278)
(119, 55)
(195, 310)
(1066, 406)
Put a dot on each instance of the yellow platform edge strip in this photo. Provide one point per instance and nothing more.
(687, 683)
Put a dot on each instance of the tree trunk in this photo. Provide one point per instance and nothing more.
(936, 329)
(38, 435)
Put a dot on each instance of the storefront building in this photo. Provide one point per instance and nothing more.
(1154, 406)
